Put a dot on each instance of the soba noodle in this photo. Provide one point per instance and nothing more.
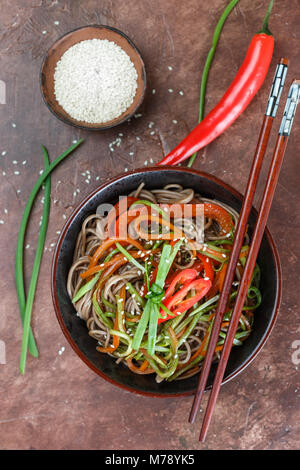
(182, 339)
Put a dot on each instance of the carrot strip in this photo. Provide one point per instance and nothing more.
(144, 365)
(137, 370)
(107, 244)
(156, 236)
(115, 259)
(116, 338)
(173, 338)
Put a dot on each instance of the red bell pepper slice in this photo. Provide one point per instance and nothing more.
(182, 277)
(204, 264)
(176, 303)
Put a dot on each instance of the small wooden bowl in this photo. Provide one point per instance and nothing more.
(82, 34)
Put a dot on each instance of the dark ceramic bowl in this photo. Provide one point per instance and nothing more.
(70, 39)
(75, 329)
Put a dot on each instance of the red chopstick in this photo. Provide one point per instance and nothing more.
(240, 231)
(280, 147)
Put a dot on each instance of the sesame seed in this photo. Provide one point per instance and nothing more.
(170, 90)
(181, 93)
(27, 246)
(56, 23)
(3, 153)
(5, 211)
(24, 162)
(14, 124)
(15, 162)
(16, 172)
(153, 91)
(174, 121)
(170, 67)
(44, 32)
(1, 222)
(152, 132)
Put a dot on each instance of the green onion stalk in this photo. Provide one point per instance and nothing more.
(25, 305)
(208, 62)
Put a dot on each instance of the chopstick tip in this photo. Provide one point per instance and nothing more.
(284, 61)
(202, 436)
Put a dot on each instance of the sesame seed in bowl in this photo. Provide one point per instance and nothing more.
(93, 78)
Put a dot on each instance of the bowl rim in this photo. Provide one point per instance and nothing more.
(102, 127)
(59, 317)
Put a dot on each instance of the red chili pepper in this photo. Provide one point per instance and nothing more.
(176, 303)
(240, 93)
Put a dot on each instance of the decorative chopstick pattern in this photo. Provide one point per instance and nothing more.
(277, 87)
(290, 109)
(238, 238)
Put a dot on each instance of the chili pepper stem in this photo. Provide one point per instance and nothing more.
(265, 27)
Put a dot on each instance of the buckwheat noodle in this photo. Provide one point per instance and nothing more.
(183, 336)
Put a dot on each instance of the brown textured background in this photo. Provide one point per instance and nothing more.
(60, 403)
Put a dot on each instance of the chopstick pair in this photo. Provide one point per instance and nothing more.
(284, 132)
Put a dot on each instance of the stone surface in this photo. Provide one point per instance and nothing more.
(60, 403)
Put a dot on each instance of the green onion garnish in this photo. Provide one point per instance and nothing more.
(86, 287)
(129, 257)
